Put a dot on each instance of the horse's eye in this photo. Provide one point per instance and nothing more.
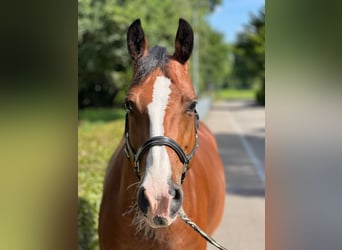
(129, 105)
(192, 106)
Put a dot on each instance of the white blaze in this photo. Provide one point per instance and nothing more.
(156, 109)
(158, 167)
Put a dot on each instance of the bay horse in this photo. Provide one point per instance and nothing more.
(163, 142)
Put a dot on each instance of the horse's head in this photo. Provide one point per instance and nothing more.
(161, 123)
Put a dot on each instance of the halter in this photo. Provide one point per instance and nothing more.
(160, 141)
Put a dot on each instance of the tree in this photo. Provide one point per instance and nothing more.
(214, 58)
(249, 54)
(102, 62)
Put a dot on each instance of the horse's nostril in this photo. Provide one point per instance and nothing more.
(178, 194)
(175, 191)
(177, 200)
(142, 200)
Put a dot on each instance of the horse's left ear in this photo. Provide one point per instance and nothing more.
(184, 41)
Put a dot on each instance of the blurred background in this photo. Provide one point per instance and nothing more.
(40, 123)
(228, 73)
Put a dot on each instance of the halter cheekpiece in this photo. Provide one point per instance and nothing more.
(160, 141)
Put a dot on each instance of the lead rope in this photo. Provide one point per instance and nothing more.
(192, 224)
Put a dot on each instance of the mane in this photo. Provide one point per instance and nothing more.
(156, 58)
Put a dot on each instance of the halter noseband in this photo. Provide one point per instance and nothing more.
(160, 141)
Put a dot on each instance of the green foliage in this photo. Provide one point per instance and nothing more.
(102, 60)
(87, 234)
(249, 55)
(99, 133)
(214, 59)
(104, 67)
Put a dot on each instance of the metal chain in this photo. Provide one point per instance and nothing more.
(186, 219)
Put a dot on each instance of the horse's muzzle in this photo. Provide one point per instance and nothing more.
(160, 209)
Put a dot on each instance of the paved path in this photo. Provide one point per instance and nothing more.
(239, 128)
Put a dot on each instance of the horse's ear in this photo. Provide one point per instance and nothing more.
(136, 42)
(184, 41)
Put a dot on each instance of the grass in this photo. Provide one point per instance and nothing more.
(235, 94)
(100, 131)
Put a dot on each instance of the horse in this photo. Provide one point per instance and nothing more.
(167, 160)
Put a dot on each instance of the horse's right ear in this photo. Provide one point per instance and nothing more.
(184, 41)
(136, 42)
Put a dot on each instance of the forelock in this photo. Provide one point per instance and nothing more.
(156, 58)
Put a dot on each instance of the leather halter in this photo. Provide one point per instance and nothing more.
(160, 141)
